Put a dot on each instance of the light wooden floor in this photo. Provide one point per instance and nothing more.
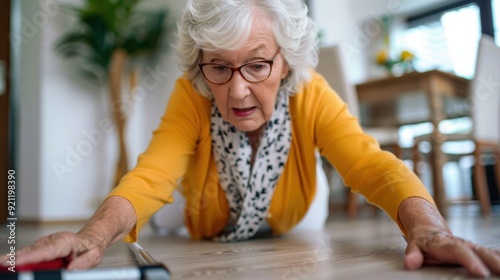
(365, 248)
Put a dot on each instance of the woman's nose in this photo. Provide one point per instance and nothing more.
(238, 86)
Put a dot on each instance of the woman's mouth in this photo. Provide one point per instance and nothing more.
(244, 112)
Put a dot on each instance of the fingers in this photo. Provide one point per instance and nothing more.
(59, 245)
(413, 257)
(457, 251)
(490, 257)
(446, 249)
(477, 268)
(82, 252)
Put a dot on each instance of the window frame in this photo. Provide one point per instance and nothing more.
(485, 13)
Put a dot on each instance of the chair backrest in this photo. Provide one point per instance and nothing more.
(485, 92)
(332, 66)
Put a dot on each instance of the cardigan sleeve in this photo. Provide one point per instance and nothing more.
(378, 175)
(152, 182)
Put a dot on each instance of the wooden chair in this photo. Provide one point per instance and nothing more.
(485, 114)
(332, 66)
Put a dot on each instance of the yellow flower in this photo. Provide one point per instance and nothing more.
(406, 56)
(382, 56)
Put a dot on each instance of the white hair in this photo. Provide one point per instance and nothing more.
(226, 25)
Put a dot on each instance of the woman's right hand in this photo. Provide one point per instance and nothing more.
(81, 251)
(85, 249)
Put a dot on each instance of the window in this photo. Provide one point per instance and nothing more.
(446, 41)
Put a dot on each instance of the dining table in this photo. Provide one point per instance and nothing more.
(412, 98)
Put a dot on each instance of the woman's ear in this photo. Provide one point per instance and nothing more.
(284, 69)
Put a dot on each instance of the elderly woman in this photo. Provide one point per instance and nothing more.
(241, 132)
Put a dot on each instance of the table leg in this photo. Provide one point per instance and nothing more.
(436, 155)
(437, 163)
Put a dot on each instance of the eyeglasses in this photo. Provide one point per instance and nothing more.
(252, 72)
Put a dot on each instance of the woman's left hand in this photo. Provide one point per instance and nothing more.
(427, 246)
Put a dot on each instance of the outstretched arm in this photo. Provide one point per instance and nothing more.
(85, 249)
(431, 241)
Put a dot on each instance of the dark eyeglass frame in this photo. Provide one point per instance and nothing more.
(234, 69)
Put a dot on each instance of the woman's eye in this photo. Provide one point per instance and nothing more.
(219, 68)
(257, 66)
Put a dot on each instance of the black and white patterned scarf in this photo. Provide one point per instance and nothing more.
(249, 189)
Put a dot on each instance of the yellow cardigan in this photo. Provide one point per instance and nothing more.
(181, 150)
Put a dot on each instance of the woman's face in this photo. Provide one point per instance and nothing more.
(248, 106)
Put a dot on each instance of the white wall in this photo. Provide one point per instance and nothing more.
(29, 124)
(67, 144)
(345, 23)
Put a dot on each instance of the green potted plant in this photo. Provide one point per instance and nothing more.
(111, 37)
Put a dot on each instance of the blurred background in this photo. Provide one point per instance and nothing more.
(58, 127)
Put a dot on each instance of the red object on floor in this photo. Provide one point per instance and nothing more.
(49, 265)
